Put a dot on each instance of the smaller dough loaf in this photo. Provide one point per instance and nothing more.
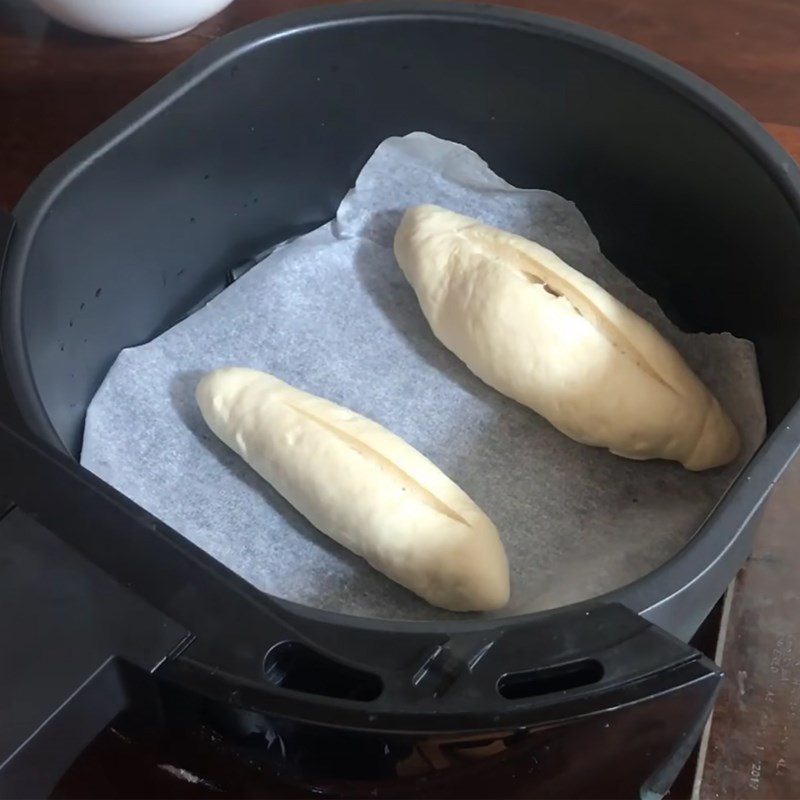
(544, 334)
(362, 486)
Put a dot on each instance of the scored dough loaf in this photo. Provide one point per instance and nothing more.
(363, 486)
(547, 336)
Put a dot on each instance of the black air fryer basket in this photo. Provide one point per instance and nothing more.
(689, 196)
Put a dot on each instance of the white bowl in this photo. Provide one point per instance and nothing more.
(135, 20)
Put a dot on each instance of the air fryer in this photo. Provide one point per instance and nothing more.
(158, 629)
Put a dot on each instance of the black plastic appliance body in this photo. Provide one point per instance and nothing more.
(256, 139)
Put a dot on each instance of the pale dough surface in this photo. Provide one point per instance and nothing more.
(363, 486)
(544, 334)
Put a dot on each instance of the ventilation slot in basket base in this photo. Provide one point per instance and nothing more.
(294, 666)
(549, 680)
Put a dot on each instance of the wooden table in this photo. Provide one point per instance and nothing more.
(56, 85)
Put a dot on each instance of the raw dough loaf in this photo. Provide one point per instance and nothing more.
(362, 486)
(547, 336)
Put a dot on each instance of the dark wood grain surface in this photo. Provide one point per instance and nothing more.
(56, 85)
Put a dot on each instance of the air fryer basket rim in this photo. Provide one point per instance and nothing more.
(713, 541)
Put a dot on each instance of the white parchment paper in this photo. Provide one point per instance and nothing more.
(331, 313)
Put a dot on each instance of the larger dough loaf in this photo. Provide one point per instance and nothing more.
(544, 334)
(362, 486)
